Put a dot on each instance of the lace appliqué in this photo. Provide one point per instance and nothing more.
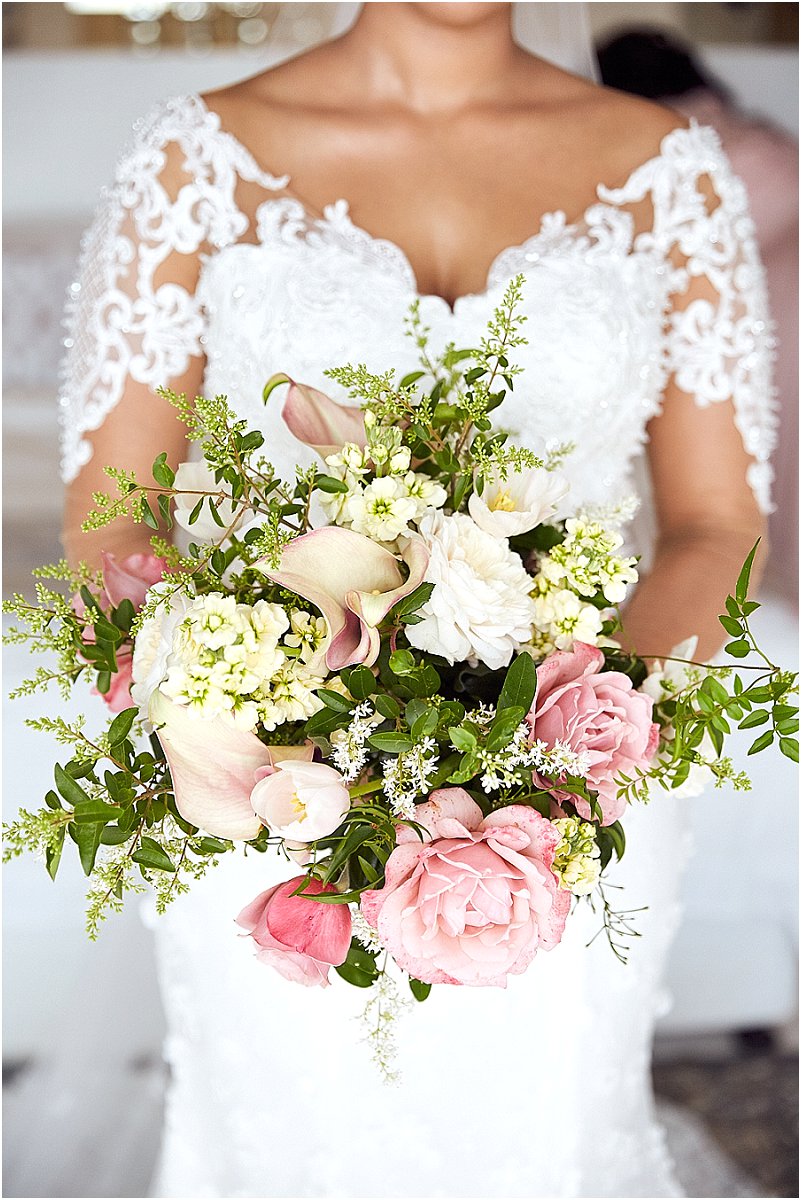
(119, 323)
(719, 348)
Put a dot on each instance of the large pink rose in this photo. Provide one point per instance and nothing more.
(474, 903)
(598, 712)
(300, 937)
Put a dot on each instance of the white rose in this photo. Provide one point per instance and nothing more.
(153, 645)
(514, 505)
(480, 609)
(193, 479)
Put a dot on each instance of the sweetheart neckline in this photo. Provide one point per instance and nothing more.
(341, 206)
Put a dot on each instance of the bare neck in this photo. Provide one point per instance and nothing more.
(405, 57)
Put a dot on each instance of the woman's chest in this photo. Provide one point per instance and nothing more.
(304, 300)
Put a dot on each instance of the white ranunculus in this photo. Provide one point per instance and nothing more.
(194, 479)
(480, 609)
(507, 507)
(153, 645)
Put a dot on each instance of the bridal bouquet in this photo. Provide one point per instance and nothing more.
(399, 669)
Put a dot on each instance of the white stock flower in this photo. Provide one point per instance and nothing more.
(587, 561)
(563, 618)
(425, 492)
(154, 642)
(514, 505)
(382, 510)
(194, 479)
(480, 609)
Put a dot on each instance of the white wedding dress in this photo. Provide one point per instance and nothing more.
(543, 1089)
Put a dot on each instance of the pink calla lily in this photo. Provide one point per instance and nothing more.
(214, 768)
(354, 582)
(316, 419)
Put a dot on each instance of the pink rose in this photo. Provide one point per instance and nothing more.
(598, 712)
(300, 937)
(475, 902)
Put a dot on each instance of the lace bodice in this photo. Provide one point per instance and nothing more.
(613, 310)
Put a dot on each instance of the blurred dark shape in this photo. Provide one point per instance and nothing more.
(653, 64)
(658, 66)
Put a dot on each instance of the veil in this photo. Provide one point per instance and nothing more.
(558, 32)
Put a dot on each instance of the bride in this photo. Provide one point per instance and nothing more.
(286, 224)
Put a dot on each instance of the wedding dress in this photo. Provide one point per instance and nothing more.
(541, 1090)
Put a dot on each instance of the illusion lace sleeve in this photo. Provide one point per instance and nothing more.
(128, 317)
(719, 343)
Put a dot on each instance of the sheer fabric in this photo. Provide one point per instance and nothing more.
(542, 1090)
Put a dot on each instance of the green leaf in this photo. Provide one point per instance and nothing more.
(72, 792)
(121, 726)
(425, 724)
(52, 800)
(731, 625)
(789, 747)
(196, 511)
(152, 856)
(758, 717)
(360, 682)
(353, 975)
(738, 649)
(87, 838)
(334, 701)
(762, 743)
(113, 835)
(390, 743)
(520, 684)
(615, 832)
(147, 514)
(411, 378)
(463, 739)
(93, 812)
(788, 726)
(53, 854)
(251, 441)
(327, 483)
(210, 845)
(387, 706)
(732, 607)
(402, 662)
(356, 836)
(419, 990)
(162, 473)
(504, 725)
(743, 579)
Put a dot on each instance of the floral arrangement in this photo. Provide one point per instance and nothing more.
(398, 668)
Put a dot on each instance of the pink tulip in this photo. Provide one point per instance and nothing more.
(131, 578)
(316, 419)
(354, 582)
(474, 902)
(298, 936)
(300, 801)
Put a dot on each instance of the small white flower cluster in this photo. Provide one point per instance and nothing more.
(584, 566)
(577, 860)
(229, 659)
(502, 768)
(407, 776)
(348, 748)
(384, 507)
(379, 1020)
(364, 932)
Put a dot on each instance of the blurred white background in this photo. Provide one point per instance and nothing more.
(86, 1009)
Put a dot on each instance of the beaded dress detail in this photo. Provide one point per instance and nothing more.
(544, 1089)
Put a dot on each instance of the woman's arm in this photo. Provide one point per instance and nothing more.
(708, 521)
